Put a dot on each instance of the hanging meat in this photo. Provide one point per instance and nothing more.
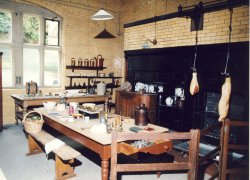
(223, 105)
(194, 86)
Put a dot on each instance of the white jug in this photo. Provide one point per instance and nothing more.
(101, 88)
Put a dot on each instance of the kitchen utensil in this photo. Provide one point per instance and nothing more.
(86, 62)
(101, 88)
(169, 101)
(141, 115)
(73, 61)
(74, 105)
(80, 62)
(91, 62)
(99, 61)
(31, 88)
(179, 92)
(49, 105)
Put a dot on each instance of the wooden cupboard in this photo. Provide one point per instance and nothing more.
(127, 102)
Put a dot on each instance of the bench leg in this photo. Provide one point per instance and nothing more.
(64, 169)
(34, 148)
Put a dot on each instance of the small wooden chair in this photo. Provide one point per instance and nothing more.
(191, 166)
(226, 146)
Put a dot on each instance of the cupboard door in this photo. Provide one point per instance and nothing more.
(127, 102)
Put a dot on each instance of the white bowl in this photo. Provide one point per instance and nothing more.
(73, 92)
(49, 105)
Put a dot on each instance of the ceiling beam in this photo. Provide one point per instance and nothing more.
(188, 11)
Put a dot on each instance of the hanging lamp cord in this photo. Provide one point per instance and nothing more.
(196, 50)
(229, 43)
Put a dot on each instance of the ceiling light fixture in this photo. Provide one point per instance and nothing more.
(104, 34)
(102, 15)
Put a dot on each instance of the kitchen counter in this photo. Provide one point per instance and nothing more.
(23, 102)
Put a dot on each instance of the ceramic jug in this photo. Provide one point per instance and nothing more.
(101, 88)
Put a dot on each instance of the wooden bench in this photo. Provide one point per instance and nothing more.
(64, 155)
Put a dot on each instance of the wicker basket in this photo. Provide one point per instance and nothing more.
(32, 126)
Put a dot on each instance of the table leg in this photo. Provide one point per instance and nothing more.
(16, 110)
(24, 111)
(105, 169)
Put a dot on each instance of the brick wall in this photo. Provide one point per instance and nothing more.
(176, 31)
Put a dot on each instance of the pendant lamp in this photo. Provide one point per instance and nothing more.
(105, 35)
(102, 15)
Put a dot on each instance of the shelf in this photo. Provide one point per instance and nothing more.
(93, 77)
(97, 69)
(171, 106)
(77, 87)
(84, 68)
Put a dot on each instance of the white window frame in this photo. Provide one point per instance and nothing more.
(17, 43)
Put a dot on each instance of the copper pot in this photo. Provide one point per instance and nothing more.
(141, 115)
(99, 61)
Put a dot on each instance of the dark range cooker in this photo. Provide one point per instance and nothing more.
(171, 68)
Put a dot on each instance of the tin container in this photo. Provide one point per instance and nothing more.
(141, 115)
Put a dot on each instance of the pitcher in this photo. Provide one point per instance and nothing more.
(74, 105)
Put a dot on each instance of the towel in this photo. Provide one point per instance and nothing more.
(2, 176)
(54, 144)
(99, 129)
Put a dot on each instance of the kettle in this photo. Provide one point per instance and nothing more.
(141, 115)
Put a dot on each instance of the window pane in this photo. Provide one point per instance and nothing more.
(51, 32)
(51, 68)
(31, 65)
(31, 29)
(5, 26)
(7, 67)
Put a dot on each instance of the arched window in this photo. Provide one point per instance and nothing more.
(30, 42)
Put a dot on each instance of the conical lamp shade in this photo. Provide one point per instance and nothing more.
(105, 35)
(102, 15)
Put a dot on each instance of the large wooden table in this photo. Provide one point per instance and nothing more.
(97, 142)
(24, 102)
